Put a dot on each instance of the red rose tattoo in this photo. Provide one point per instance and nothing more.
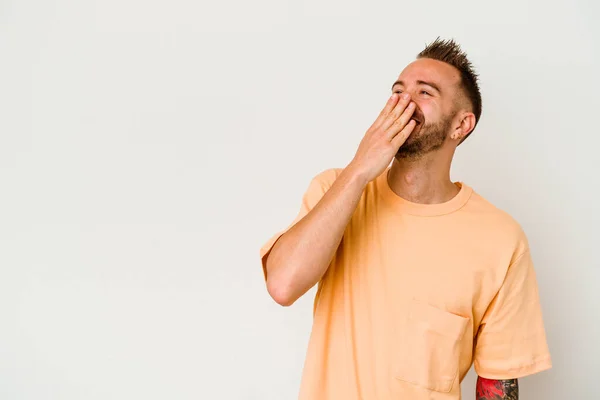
(491, 389)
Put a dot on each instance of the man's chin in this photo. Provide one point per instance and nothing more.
(406, 154)
(415, 134)
(410, 148)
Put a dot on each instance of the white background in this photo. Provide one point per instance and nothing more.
(149, 148)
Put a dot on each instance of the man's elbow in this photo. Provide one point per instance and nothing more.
(280, 292)
(279, 287)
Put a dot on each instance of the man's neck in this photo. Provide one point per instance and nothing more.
(425, 181)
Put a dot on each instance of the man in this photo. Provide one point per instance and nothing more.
(418, 276)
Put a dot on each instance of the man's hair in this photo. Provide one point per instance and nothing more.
(449, 51)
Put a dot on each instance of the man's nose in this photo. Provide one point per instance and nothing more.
(413, 96)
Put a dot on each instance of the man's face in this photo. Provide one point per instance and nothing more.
(433, 86)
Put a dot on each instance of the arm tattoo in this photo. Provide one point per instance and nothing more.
(491, 389)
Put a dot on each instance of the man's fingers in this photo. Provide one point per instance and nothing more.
(389, 106)
(400, 122)
(391, 111)
(396, 112)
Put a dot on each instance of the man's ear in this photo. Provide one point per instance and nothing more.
(464, 125)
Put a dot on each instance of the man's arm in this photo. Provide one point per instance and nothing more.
(491, 389)
(301, 255)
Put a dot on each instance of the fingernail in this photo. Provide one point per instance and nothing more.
(405, 96)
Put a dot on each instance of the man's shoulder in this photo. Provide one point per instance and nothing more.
(492, 217)
(326, 177)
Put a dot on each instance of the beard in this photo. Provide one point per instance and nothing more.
(429, 137)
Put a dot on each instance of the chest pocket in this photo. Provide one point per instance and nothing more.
(429, 347)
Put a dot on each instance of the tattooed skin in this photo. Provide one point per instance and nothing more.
(491, 389)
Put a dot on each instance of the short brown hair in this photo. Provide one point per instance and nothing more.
(449, 51)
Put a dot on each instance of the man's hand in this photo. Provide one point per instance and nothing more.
(491, 389)
(383, 139)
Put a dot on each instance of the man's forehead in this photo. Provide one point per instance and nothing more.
(427, 69)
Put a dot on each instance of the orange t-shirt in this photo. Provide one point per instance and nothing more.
(415, 294)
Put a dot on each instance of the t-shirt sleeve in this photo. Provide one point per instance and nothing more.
(318, 186)
(511, 340)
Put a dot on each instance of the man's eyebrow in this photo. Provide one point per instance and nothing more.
(433, 85)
